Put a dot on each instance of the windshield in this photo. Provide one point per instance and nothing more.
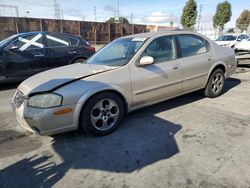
(5, 41)
(226, 38)
(118, 52)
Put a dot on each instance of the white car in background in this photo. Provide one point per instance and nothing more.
(230, 40)
(243, 46)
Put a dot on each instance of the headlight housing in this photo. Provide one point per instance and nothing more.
(47, 100)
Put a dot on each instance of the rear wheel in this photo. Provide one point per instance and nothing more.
(102, 114)
(215, 84)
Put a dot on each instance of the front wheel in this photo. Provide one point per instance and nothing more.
(215, 84)
(102, 114)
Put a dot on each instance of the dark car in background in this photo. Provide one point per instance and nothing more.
(26, 54)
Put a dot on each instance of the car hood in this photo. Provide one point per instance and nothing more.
(225, 42)
(244, 45)
(58, 77)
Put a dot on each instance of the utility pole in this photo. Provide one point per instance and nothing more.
(199, 17)
(131, 18)
(118, 10)
(62, 15)
(95, 25)
(171, 20)
(56, 10)
(95, 13)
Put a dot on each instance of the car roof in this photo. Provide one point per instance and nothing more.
(46, 32)
(159, 33)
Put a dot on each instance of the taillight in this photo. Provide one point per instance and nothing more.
(91, 48)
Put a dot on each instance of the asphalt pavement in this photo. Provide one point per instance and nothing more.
(189, 141)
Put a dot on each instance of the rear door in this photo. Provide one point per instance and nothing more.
(59, 51)
(197, 58)
(25, 56)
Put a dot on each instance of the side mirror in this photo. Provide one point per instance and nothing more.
(146, 60)
(13, 47)
(239, 39)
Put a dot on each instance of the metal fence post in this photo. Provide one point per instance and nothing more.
(41, 27)
(109, 32)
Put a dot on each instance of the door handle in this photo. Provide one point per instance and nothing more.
(39, 55)
(176, 67)
(74, 52)
(210, 59)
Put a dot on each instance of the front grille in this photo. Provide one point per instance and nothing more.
(18, 99)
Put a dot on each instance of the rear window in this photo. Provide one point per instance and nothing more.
(54, 40)
(192, 45)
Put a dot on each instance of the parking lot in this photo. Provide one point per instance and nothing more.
(189, 141)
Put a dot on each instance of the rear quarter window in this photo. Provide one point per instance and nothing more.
(84, 42)
(73, 41)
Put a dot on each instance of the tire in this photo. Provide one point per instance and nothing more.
(102, 114)
(78, 60)
(215, 84)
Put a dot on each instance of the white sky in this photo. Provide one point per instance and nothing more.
(157, 12)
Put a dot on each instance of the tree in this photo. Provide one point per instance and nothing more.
(121, 20)
(231, 30)
(222, 16)
(243, 21)
(171, 23)
(189, 14)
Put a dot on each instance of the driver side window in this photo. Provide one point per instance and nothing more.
(162, 49)
(28, 42)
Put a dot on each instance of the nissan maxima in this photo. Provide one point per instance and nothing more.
(129, 73)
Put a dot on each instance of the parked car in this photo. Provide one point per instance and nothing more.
(129, 73)
(25, 54)
(230, 40)
(243, 46)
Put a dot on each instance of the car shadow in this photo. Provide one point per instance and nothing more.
(144, 138)
(230, 83)
(243, 66)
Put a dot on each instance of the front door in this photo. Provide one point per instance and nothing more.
(25, 57)
(163, 79)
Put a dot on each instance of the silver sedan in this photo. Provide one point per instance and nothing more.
(129, 73)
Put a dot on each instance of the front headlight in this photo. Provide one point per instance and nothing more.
(45, 100)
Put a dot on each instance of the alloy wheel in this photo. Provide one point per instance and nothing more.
(217, 83)
(104, 114)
